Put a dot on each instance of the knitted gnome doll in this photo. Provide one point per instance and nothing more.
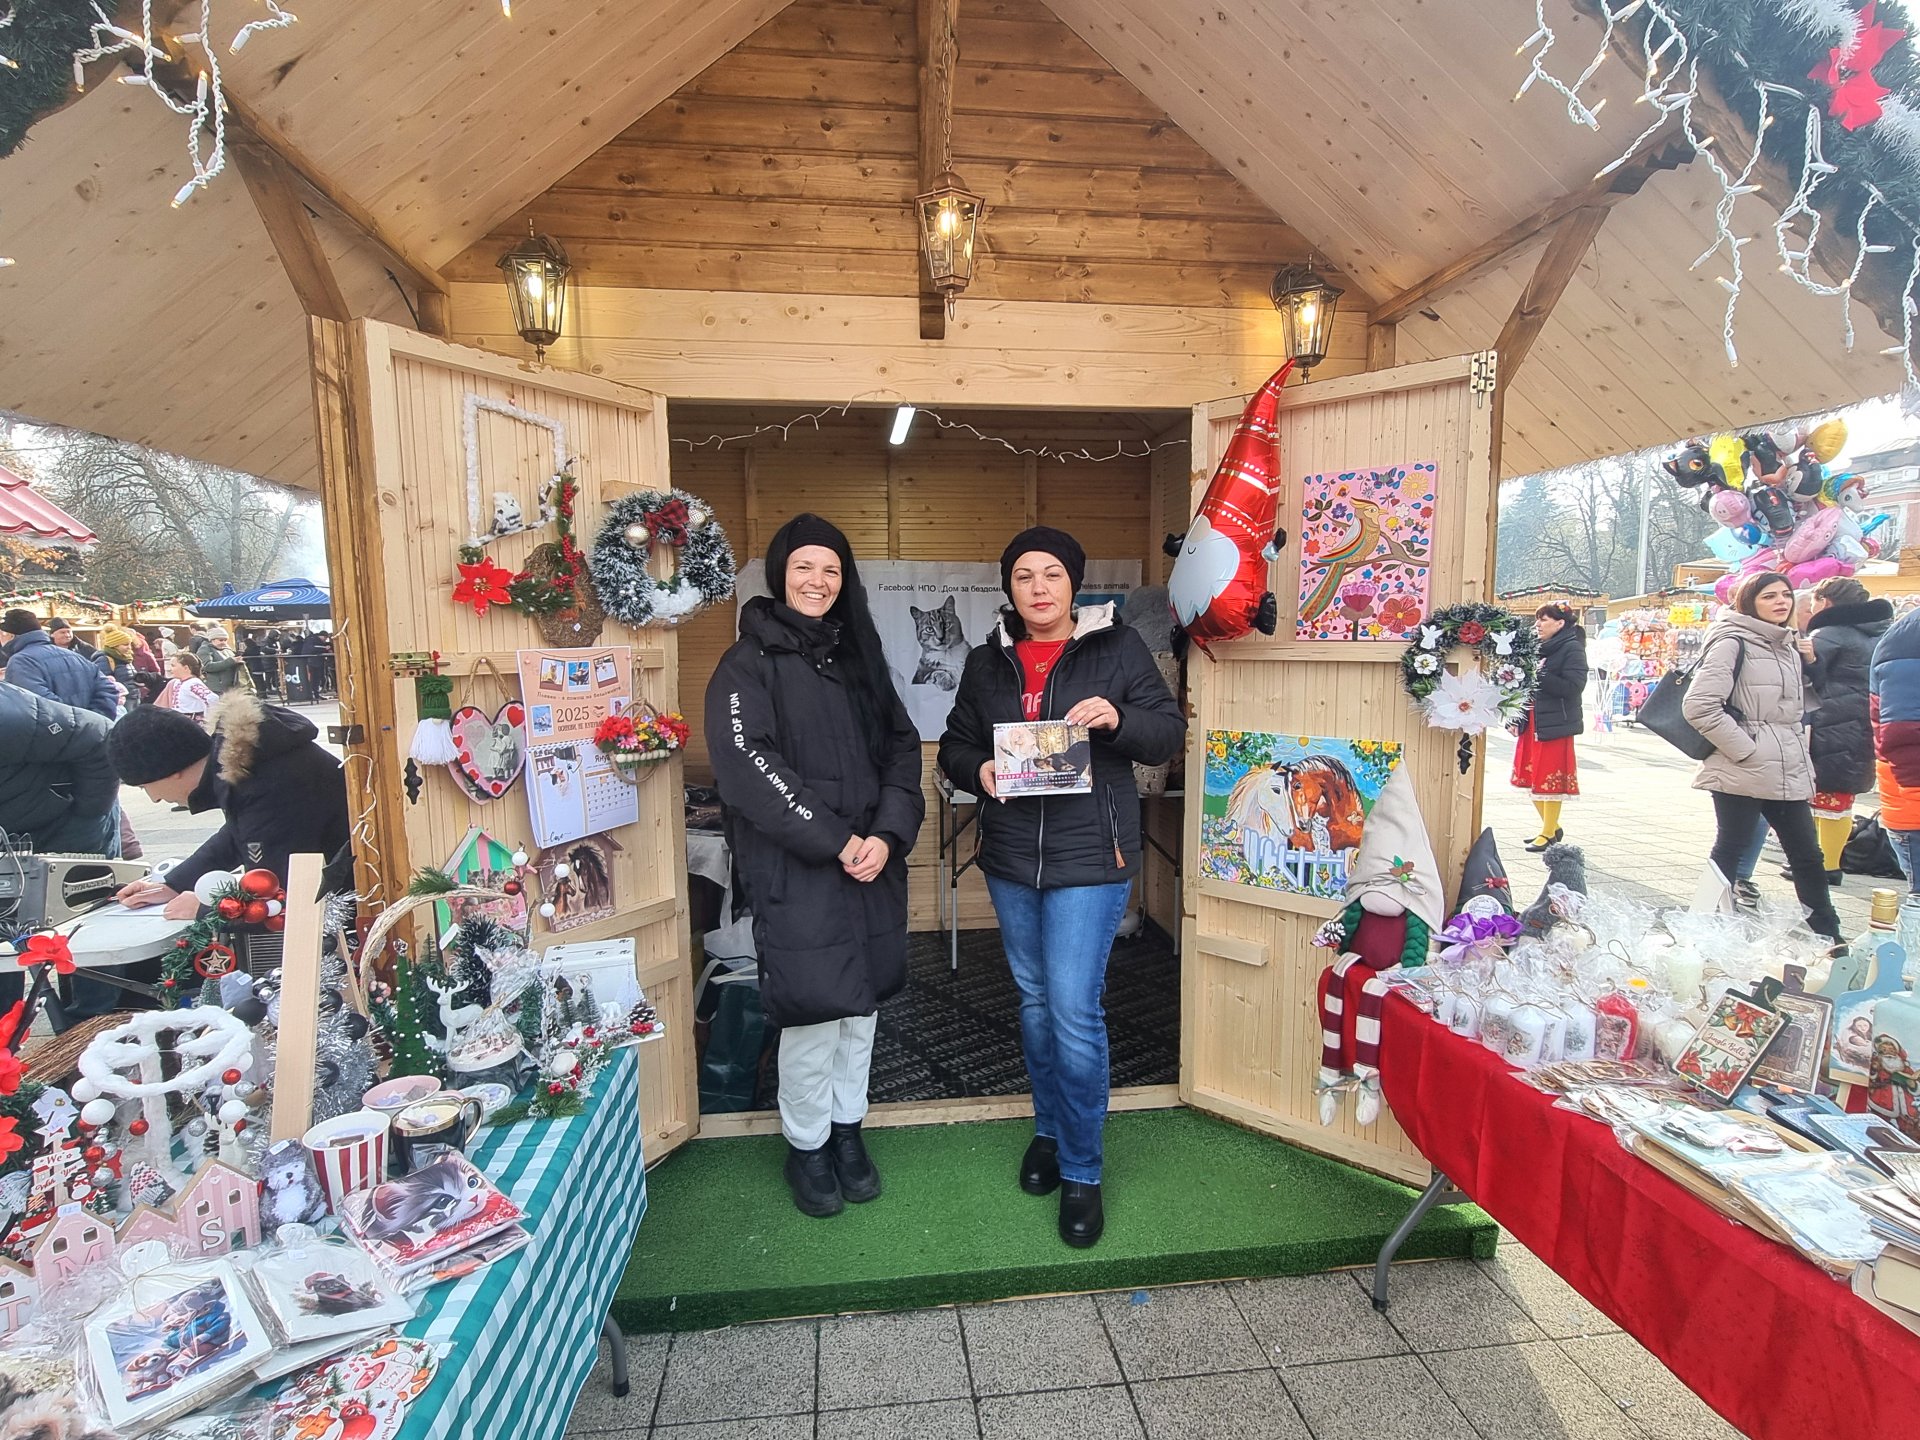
(1563, 894)
(1395, 902)
(1485, 874)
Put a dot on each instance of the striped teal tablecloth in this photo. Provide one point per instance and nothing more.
(525, 1331)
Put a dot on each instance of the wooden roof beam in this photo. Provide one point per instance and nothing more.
(1571, 240)
(283, 210)
(1667, 149)
(939, 61)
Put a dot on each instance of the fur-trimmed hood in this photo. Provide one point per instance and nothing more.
(246, 732)
(1873, 616)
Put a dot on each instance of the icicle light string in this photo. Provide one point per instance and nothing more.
(362, 828)
(1663, 33)
(5, 21)
(783, 428)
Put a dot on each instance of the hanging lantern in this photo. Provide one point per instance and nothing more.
(536, 274)
(1306, 304)
(948, 215)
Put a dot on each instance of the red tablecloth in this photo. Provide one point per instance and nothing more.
(1762, 1335)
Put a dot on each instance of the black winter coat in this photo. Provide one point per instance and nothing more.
(1841, 738)
(281, 793)
(1557, 694)
(55, 780)
(797, 783)
(1089, 839)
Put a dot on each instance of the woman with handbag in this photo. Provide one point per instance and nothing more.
(1543, 761)
(1748, 698)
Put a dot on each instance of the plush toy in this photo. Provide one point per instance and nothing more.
(1218, 587)
(1395, 903)
(1484, 873)
(1564, 892)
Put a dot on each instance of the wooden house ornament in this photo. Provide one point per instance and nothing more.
(481, 860)
(217, 1211)
(19, 1296)
(76, 1240)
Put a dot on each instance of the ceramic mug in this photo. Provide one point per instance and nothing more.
(349, 1153)
(429, 1128)
(390, 1097)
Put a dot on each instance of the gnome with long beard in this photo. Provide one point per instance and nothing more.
(1395, 904)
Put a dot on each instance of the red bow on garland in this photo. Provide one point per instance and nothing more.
(1857, 96)
(48, 946)
(669, 522)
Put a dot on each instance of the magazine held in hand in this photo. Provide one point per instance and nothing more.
(1041, 757)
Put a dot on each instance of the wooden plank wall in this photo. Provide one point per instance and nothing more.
(941, 496)
(790, 165)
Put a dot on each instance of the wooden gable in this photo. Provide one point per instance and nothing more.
(789, 165)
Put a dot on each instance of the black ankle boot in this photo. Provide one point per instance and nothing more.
(1081, 1220)
(810, 1176)
(859, 1181)
(1040, 1166)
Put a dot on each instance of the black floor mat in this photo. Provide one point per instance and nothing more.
(952, 1034)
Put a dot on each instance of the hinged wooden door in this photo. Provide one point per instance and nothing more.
(1250, 1028)
(415, 433)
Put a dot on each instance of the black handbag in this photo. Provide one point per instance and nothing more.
(1663, 711)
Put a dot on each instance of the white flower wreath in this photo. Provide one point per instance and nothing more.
(703, 574)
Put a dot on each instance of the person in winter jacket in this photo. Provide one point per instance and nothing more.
(281, 793)
(35, 663)
(1748, 697)
(219, 666)
(116, 656)
(1060, 868)
(818, 768)
(57, 788)
(1894, 696)
(1543, 761)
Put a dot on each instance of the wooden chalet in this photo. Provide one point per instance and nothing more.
(732, 180)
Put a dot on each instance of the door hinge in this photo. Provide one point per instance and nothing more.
(1485, 373)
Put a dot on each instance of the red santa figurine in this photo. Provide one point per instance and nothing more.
(1219, 582)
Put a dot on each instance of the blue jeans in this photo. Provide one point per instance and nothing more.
(1750, 857)
(1906, 849)
(1057, 943)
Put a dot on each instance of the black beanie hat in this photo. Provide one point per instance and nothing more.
(19, 622)
(798, 533)
(1057, 543)
(150, 743)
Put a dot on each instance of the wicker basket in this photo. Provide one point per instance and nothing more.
(56, 1061)
(1152, 779)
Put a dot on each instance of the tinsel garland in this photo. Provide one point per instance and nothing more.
(703, 570)
(41, 41)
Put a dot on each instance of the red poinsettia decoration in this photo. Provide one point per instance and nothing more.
(482, 583)
(10, 1137)
(10, 1068)
(49, 947)
(1857, 96)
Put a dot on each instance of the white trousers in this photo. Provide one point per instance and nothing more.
(823, 1078)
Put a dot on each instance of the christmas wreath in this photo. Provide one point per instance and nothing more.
(1494, 692)
(703, 560)
(548, 585)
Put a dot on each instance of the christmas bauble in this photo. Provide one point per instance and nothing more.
(232, 1110)
(230, 907)
(355, 1024)
(259, 884)
(208, 887)
(562, 871)
(243, 1088)
(696, 517)
(563, 1064)
(229, 1077)
(637, 536)
(513, 887)
(519, 858)
(275, 924)
(274, 907)
(254, 912)
(84, 1090)
(547, 911)
(97, 1112)
(93, 1154)
(138, 1127)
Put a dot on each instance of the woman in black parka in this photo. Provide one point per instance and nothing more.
(818, 767)
(1844, 623)
(1543, 762)
(1060, 867)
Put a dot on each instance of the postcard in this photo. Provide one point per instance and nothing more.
(1799, 1052)
(172, 1340)
(1041, 757)
(1729, 1045)
(441, 1207)
(324, 1289)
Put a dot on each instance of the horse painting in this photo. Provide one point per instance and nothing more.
(1286, 812)
(1310, 806)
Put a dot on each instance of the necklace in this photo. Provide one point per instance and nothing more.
(1042, 665)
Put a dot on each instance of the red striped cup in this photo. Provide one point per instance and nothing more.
(349, 1153)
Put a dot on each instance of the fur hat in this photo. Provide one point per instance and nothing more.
(150, 743)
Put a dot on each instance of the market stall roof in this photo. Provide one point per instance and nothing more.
(26, 514)
(296, 599)
(1386, 133)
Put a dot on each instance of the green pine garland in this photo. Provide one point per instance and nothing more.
(41, 41)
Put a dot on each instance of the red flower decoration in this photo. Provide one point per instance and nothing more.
(10, 1137)
(482, 583)
(11, 1071)
(1399, 615)
(48, 946)
(1472, 633)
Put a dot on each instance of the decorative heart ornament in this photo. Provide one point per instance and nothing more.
(489, 750)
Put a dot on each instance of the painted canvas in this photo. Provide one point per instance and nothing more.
(1366, 542)
(1285, 812)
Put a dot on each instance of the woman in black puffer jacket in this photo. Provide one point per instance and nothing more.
(1844, 624)
(1060, 868)
(1543, 762)
(818, 767)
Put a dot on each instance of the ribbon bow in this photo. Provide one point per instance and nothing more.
(669, 522)
(48, 946)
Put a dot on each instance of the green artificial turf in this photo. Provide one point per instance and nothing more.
(1188, 1198)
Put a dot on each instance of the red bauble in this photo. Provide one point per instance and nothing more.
(259, 884)
(93, 1154)
(254, 912)
(513, 887)
(230, 907)
(137, 1127)
(238, 1126)
(229, 1077)
(275, 923)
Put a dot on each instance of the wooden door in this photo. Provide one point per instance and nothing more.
(1250, 1029)
(409, 426)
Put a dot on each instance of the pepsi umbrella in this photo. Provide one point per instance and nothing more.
(282, 600)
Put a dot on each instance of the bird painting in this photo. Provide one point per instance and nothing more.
(1352, 552)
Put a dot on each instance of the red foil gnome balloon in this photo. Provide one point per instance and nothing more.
(1219, 581)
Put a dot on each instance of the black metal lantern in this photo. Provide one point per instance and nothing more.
(536, 273)
(949, 215)
(1306, 304)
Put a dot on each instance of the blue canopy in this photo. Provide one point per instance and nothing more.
(282, 600)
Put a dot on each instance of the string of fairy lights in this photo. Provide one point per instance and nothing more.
(1671, 86)
(904, 416)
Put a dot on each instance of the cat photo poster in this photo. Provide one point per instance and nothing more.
(931, 613)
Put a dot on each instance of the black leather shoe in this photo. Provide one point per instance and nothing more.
(1040, 1166)
(1834, 877)
(810, 1176)
(1081, 1219)
(1536, 846)
(852, 1166)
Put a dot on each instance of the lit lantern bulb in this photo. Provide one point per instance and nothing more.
(1308, 313)
(948, 220)
(536, 284)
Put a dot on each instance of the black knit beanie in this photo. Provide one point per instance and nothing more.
(1057, 543)
(19, 622)
(150, 743)
(798, 533)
